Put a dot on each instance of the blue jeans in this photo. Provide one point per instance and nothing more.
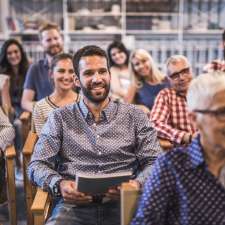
(91, 214)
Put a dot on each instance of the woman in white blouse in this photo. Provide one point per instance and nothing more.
(63, 76)
(120, 77)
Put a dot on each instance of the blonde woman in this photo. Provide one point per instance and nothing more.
(146, 79)
(62, 74)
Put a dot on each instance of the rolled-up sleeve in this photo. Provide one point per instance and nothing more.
(41, 170)
(147, 146)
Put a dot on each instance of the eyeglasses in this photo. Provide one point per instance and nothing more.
(218, 113)
(176, 75)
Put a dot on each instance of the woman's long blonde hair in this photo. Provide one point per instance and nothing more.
(156, 76)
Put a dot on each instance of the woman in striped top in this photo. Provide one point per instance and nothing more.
(63, 76)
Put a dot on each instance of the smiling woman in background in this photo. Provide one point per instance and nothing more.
(147, 80)
(14, 63)
(120, 77)
(63, 76)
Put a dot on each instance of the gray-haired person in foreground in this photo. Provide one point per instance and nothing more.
(187, 185)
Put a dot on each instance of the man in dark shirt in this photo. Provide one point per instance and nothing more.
(37, 84)
(97, 136)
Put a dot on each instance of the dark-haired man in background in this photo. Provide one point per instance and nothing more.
(37, 84)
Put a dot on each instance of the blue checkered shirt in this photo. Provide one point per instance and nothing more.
(122, 140)
(182, 191)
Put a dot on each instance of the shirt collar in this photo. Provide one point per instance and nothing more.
(107, 112)
(46, 62)
(195, 152)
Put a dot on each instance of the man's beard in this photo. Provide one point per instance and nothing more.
(95, 99)
(50, 53)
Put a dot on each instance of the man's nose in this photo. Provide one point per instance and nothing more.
(96, 76)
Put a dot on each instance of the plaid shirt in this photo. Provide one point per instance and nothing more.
(169, 116)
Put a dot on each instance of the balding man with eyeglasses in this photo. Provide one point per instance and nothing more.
(169, 114)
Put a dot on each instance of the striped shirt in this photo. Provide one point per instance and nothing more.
(170, 117)
(41, 111)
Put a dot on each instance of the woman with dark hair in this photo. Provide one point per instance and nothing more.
(63, 77)
(14, 63)
(120, 77)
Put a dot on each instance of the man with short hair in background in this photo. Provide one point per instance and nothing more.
(37, 84)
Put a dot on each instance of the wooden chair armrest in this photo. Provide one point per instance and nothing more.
(10, 155)
(41, 206)
(29, 143)
(40, 201)
(165, 144)
(25, 116)
(129, 198)
(10, 152)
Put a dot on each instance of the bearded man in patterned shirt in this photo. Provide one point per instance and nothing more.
(95, 135)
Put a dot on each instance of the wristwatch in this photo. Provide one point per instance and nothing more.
(56, 189)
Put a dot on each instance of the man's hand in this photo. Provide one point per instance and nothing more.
(186, 139)
(71, 195)
(113, 193)
(135, 184)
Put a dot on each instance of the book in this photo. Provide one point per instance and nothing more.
(100, 183)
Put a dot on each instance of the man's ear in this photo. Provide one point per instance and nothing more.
(76, 81)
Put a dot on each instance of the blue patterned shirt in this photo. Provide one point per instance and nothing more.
(182, 191)
(122, 140)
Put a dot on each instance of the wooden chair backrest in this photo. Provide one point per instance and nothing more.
(29, 188)
(10, 155)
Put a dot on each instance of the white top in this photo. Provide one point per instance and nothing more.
(120, 82)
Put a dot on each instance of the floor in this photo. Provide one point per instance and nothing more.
(21, 209)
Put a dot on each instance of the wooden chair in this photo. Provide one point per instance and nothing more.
(129, 200)
(25, 117)
(28, 187)
(41, 207)
(10, 156)
(37, 201)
